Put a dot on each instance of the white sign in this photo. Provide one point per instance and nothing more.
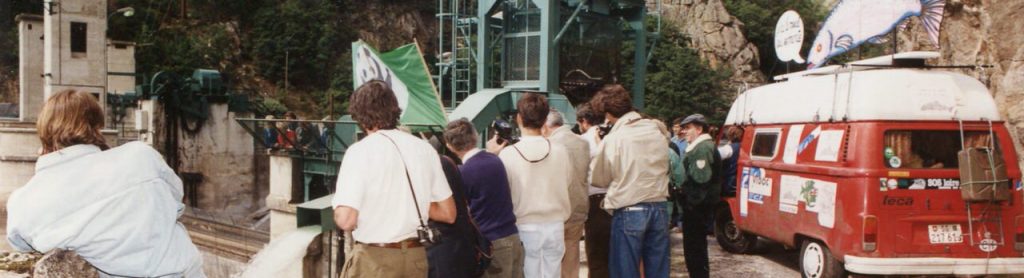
(761, 184)
(988, 245)
(826, 203)
(789, 193)
(789, 36)
(828, 145)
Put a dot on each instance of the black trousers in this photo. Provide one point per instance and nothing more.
(695, 242)
(597, 237)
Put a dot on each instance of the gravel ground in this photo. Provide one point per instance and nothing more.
(770, 260)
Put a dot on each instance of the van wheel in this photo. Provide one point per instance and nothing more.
(816, 261)
(730, 237)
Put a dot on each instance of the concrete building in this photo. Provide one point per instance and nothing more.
(120, 67)
(75, 47)
(30, 66)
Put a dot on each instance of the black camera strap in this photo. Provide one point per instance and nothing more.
(416, 204)
(534, 161)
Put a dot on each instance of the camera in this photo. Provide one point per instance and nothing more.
(505, 131)
(603, 130)
(428, 235)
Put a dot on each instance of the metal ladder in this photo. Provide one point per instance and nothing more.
(456, 26)
(993, 211)
(464, 56)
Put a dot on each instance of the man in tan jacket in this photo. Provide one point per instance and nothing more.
(579, 159)
(631, 162)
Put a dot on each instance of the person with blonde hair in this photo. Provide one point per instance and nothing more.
(117, 208)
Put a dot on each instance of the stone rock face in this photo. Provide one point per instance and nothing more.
(63, 264)
(983, 32)
(17, 262)
(715, 34)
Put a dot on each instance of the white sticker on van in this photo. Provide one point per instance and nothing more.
(817, 195)
(808, 139)
(760, 183)
(789, 193)
(825, 203)
(743, 194)
(829, 145)
(792, 144)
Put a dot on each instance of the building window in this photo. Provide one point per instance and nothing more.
(78, 39)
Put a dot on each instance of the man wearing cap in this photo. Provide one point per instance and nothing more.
(632, 162)
(701, 187)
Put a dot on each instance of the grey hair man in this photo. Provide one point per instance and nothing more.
(579, 158)
(489, 198)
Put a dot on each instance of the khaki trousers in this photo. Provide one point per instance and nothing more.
(372, 261)
(507, 258)
(571, 260)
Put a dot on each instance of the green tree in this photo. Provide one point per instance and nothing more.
(678, 82)
(759, 18)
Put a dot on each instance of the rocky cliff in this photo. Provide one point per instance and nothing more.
(983, 32)
(717, 36)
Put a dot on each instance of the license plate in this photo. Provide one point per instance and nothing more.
(946, 233)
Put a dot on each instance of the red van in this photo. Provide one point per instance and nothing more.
(880, 166)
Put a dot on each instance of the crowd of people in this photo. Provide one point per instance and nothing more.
(295, 134)
(619, 180)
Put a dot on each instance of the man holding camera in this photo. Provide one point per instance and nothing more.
(538, 177)
(632, 163)
(388, 185)
(599, 223)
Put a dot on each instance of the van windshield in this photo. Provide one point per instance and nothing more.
(930, 149)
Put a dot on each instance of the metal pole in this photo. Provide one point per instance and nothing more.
(568, 22)
(286, 70)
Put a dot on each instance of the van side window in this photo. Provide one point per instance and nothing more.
(930, 149)
(766, 144)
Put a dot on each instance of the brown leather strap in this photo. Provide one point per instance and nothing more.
(408, 243)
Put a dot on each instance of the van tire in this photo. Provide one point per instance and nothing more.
(730, 237)
(816, 261)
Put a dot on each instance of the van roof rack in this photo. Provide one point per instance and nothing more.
(913, 59)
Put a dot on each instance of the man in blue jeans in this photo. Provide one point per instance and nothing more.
(632, 164)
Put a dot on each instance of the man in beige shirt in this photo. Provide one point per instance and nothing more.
(579, 159)
(632, 164)
(539, 184)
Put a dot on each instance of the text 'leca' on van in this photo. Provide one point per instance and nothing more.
(880, 166)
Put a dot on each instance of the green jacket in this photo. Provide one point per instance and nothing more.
(676, 173)
(702, 164)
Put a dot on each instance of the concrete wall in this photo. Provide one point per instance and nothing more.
(120, 60)
(30, 66)
(223, 152)
(19, 148)
(282, 214)
(67, 70)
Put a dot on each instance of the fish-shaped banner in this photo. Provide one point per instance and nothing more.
(854, 22)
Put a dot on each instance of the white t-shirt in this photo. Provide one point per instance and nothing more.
(372, 181)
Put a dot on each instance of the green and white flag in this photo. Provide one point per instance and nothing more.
(404, 69)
